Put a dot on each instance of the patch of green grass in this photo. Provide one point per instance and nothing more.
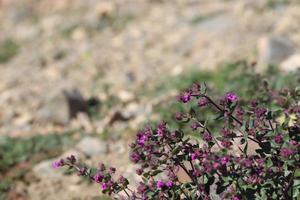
(66, 31)
(27, 151)
(4, 186)
(273, 3)
(200, 18)
(8, 49)
(115, 22)
(197, 19)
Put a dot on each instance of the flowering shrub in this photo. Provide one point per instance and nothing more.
(253, 155)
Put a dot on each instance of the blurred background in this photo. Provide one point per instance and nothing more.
(81, 76)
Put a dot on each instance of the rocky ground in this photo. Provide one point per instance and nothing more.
(80, 65)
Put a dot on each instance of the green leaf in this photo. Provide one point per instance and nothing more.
(265, 147)
(155, 172)
(220, 116)
(269, 115)
(176, 150)
(221, 187)
(192, 112)
(245, 148)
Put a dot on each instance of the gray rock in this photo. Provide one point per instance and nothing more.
(55, 110)
(62, 106)
(218, 24)
(76, 102)
(92, 146)
(44, 170)
(213, 192)
(273, 50)
(291, 64)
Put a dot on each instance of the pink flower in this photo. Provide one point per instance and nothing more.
(293, 142)
(226, 143)
(142, 139)
(195, 126)
(104, 186)
(202, 102)
(58, 164)
(216, 165)
(178, 116)
(231, 97)
(285, 152)
(224, 160)
(160, 184)
(185, 96)
(278, 139)
(98, 177)
(169, 184)
(207, 137)
(195, 155)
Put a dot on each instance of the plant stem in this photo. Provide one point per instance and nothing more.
(220, 109)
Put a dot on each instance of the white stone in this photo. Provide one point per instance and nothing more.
(125, 96)
(44, 170)
(273, 50)
(92, 146)
(291, 64)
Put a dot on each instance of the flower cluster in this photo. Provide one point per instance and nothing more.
(102, 175)
(254, 155)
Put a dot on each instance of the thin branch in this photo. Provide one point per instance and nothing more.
(220, 109)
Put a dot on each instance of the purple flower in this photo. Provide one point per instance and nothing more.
(169, 184)
(259, 112)
(102, 167)
(202, 102)
(226, 143)
(207, 137)
(236, 198)
(285, 152)
(293, 142)
(142, 138)
(72, 159)
(260, 162)
(104, 186)
(122, 180)
(112, 170)
(254, 103)
(135, 157)
(178, 116)
(58, 164)
(248, 162)
(160, 184)
(197, 172)
(142, 188)
(231, 97)
(161, 128)
(185, 96)
(139, 171)
(225, 132)
(239, 112)
(216, 165)
(195, 126)
(82, 171)
(278, 139)
(253, 179)
(224, 160)
(195, 155)
(98, 177)
(196, 87)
